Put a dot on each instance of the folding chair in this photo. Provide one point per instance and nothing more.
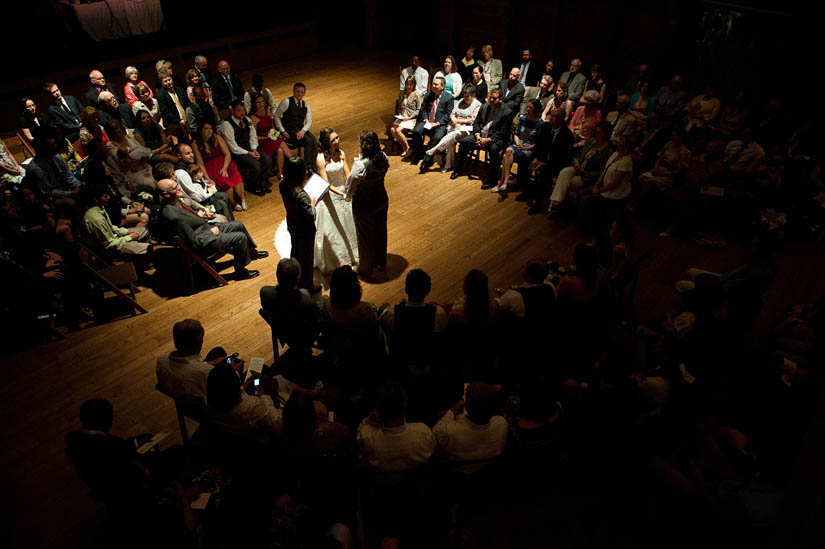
(114, 278)
(193, 258)
(186, 408)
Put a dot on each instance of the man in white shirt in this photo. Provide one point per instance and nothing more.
(206, 195)
(422, 77)
(477, 434)
(239, 133)
(258, 88)
(182, 374)
(293, 118)
(387, 442)
(742, 154)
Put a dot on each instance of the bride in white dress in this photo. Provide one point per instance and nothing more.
(336, 243)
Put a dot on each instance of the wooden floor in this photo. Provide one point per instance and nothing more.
(444, 227)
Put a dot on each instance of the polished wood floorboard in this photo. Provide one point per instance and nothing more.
(444, 227)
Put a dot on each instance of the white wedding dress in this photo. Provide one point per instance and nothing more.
(335, 241)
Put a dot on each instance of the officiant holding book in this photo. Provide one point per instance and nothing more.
(370, 204)
(300, 219)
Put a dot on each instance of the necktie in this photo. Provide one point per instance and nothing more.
(434, 107)
(229, 85)
(181, 112)
(523, 73)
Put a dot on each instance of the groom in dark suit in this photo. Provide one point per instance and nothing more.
(432, 120)
(205, 238)
(64, 111)
(491, 132)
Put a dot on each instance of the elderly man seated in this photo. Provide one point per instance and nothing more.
(623, 123)
(206, 238)
(111, 108)
(214, 212)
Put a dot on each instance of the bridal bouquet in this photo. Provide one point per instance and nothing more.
(274, 134)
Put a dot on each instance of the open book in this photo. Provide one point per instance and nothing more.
(316, 187)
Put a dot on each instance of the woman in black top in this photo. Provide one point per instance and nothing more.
(300, 218)
(32, 123)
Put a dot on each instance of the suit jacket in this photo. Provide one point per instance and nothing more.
(575, 87)
(168, 110)
(300, 213)
(90, 97)
(124, 114)
(294, 316)
(195, 230)
(513, 99)
(502, 121)
(221, 94)
(556, 154)
(66, 122)
(442, 112)
(534, 71)
(495, 72)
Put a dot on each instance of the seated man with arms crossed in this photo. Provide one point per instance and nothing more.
(208, 239)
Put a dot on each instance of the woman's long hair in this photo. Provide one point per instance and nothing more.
(371, 148)
(324, 143)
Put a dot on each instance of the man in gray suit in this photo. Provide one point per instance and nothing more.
(575, 80)
(206, 238)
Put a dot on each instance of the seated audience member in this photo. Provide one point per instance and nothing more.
(703, 110)
(132, 82)
(560, 100)
(99, 85)
(491, 132)
(585, 118)
(529, 70)
(491, 68)
(64, 112)
(413, 324)
(129, 159)
(652, 137)
(196, 184)
(606, 197)
(242, 140)
(147, 103)
(226, 87)
(90, 128)
(743, 155)
(201, 110)
(583, 284)
(587, 166)
(512, 91)
(183, 373)
(670, 100)
(150, 135)
(521, 150)
(293, 312)
(554, 151)
(201, 66)
(49, 173)
(166, 170)
(468, 63)
(422, 77)
(11, 173)
(538, 295)
(259, 89)
(123, 211)
(477, 80)
(478, 434)
(293, 118)
(623, 124)
(453, 83)
(164, 67)
(461, 124)
(387, 442)
(112, 109)
(205, 238)
(108, 235)
(671, 163)
(193, 77)
(31, 123)
(407, 106)
(734, 116)
(542, 92)
(548, 71)
(479, 311)
(575, 80)
(172, 102)
(634, 83)
(212, 154)
(642, 104)
(261, 117)
(109, 465)
(433, 120)
(597, 83)
(235, 410)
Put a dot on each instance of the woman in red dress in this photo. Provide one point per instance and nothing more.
(262, 118)
(212, 155)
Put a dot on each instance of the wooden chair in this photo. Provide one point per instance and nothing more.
(114, 278)
(186, 408)
(193, 258)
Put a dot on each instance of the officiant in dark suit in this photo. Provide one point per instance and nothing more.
(300, 219)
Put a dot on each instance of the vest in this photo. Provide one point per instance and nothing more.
(293, 118)
(241, 134)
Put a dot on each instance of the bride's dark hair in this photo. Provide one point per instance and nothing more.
(324, 144)
(371, 148)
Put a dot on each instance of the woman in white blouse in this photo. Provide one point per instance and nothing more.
(607, 196)
(461, 124)
(453, 83)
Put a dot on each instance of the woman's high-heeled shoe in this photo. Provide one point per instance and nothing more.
(499, 189)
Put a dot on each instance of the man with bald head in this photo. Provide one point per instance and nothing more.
(208, 239)
(111, 108)
(512, 91)
(99, 84)
(226, 87)
(575, 80)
